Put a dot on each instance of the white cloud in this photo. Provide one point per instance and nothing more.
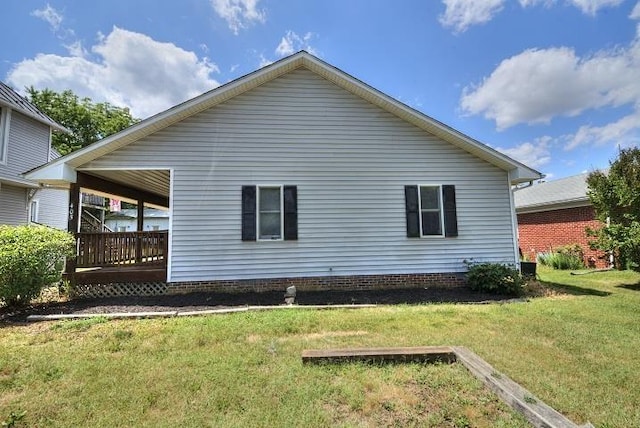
(623, 132)
(54, 19)
(635, 13)
(130, 69)
(50, 15)
(239, 14)
(533, 154)
(264, 61)
(292, 43)
(591, 7)
(539, 84)
(461, 14)
(76, 49)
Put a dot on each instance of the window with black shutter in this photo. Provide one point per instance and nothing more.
(269, 213)
(431, 211)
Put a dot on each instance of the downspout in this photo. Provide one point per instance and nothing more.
(514, 222)
(31, 193)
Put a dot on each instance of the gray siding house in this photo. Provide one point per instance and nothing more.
(25, 143)
(300, 173)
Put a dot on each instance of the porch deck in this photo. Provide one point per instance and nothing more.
(119, 257)
(126, 273)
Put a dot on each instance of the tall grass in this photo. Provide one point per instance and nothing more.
(560, 260)
(576, 349)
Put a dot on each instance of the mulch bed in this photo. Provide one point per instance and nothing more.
(207, 301)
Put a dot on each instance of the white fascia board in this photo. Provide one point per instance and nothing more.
(523, 174)
(54, 173)
(18, 182)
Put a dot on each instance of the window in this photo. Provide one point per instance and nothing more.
(5, 117)
(33, 211)
(155, 227)
(431, 211)
(269, 213)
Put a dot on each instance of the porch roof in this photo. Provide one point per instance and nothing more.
(63, 170)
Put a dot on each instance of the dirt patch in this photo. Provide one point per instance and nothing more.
(207, 301)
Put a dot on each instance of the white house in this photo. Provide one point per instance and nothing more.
(25, 143)
(127, 220)
(300, 173)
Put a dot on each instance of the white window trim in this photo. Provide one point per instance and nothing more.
(5, 119)
(441, 206)
(269, 186)
(32, 203)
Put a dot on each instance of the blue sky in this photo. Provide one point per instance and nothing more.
(552, 83)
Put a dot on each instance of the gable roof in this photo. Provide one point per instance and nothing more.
(63, 169)
(557, 194)
(10, 98)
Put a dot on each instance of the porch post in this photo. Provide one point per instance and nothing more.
(72, 227)
(140, 229)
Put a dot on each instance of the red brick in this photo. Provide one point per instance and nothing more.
(542, 231)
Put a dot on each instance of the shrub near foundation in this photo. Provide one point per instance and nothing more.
(495, 278)
(30, 259)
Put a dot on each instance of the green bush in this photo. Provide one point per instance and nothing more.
(566, 257)
(30, 259)
(545, 258)
(495, 278)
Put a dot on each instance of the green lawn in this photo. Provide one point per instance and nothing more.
(577, 349)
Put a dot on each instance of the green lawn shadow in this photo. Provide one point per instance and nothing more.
(634, 287)
(575, 290)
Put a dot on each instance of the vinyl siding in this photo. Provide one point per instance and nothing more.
(53, 205)
(350, 161)
(13, 205)
(28, 146)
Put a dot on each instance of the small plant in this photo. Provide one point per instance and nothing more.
(566, 257)
(495, 278)
(30, 258)
(13, 419)
(545, 258)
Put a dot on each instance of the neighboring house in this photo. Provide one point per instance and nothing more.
(556, 213)
(299, 173)
(25, 143)
(126, 220)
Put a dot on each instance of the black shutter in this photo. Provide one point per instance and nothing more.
(248, 213)
(411, 207)
(450, 215)
(290, 212)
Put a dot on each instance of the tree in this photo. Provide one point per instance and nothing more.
(87, 121)
(616, 199)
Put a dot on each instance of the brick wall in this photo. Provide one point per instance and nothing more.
(541, 231)
(352, 282)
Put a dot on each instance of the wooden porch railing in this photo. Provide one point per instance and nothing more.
(122, 248)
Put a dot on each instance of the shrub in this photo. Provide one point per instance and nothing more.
(495, 278)
(30, 259)
(566, 257)
(545, 258)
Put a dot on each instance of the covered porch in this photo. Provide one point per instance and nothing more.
(117, 257)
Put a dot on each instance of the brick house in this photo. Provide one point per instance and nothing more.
(554, 214)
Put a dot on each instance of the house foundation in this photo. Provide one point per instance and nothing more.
(446, 280)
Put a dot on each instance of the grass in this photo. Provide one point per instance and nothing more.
(576, 349)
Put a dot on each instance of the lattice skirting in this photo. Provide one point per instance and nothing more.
(119, 289)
